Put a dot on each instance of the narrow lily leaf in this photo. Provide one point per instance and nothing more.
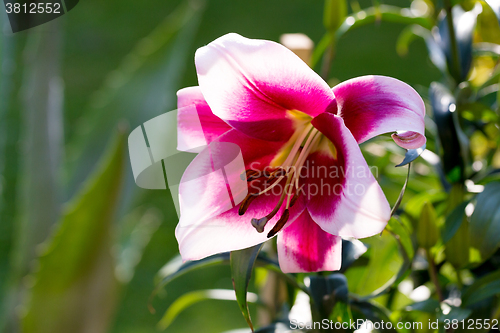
(242, 263)
(456, 314)
(382, 260)
(176, 268)
(351, 251)
(428, 306)
(278, 328)
(375, 313)
(401, 233)
(78, 258)
(408, 35)
(463, 24)
(411, 155)
(453, 222)
(326, 291)
(481, 289)
(485, 221)
(444, 105)
(194, 297)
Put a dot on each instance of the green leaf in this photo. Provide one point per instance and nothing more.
(74, 285)
(453, 222)
(427, 230)
(429, 306)
(444, 106)
(326, 291)
(351, 251)
(176, 268)
(455, 313)
(481, 289)
(372, 311)
(485, 221)
(197, 296)
(278, 328)
(242, 263)
(402, 235)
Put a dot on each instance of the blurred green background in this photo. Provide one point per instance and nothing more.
(67, 87)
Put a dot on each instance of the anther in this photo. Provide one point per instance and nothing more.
(250, 175)
(280, 224)
(246, 203)
(259, 224)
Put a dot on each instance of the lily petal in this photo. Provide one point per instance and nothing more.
(251, 84)
(197, 126)
(373, 105)
(229, 231)
(304, 247)
(209, 198)
(353, 204)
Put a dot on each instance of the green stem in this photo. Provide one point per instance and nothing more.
(455, 61)
(433, 275)
(328, 59)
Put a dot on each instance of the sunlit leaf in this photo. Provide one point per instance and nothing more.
(485, 221)
(444, 105)
(242, 263)
(197, 296)
(76, 267)
(453, 222)
(483, 288)
(326, 291)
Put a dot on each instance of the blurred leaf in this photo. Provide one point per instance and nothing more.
(402, 235)
(488, 28)
(481, 289)
(443, 106)
(278, 328)
(367, 16)
(373, 312)
(10, 157)
(43, 145)
(334, 14)
(427, 230)
(453, 222)
(194, 297)
(455, 313)
(387, 266)
(351, 251)
(429, 306)
(463, 24)
(242, 263)
(176, 268)
(326, 291)
(142, 87)
(74, 284)
(485, 221)
(495, 7)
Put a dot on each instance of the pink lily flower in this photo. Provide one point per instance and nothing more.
(291, 127)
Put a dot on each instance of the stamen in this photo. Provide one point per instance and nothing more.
(252, 174)
(280, 224)
(246, 203)
(259, 224)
